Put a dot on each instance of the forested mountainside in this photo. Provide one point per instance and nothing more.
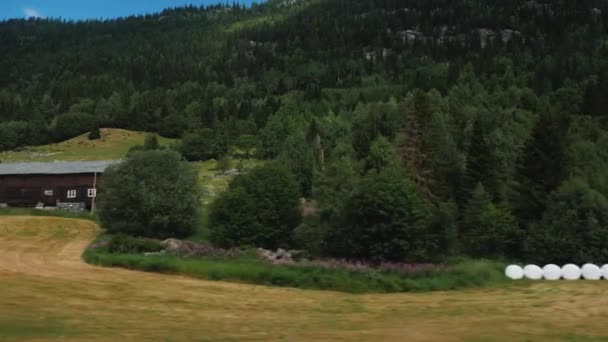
(421, 128)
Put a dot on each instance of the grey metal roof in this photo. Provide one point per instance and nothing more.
(55, 168)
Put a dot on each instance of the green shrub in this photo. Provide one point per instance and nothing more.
(95, 133)
(126, 244)
(69, 125)
(258, 209)
(152, 194)
(384, 218)
(151, 142)
(203, 144)
(310, 236)
(574, 228)
(15, 134)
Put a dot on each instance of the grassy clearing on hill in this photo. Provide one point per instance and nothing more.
(213, 181)
(114, 144)
(48, 293)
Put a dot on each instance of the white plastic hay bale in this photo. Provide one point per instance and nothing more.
(605, 271)
(514, 272)
(591, 272)
(571, 272)
(552, 272)
(533, 272)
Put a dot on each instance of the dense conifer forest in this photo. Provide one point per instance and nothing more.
(415, 129)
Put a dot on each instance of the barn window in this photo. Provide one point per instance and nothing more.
(92, 193)
(48, 192)
(71, 193)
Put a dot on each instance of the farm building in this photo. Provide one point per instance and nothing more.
(65, 185)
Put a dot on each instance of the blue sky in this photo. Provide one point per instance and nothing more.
(92, 9)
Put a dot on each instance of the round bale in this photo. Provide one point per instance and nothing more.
(591, 272)
(605, 271)
(571, 272)
(552, 272)
(533, 272)
(514, 272)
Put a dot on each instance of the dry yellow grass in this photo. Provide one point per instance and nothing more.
(114, 144)
(48, 293)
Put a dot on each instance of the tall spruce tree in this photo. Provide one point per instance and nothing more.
(541, 169)
(479, 163)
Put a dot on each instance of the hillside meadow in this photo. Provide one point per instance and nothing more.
(113, 144)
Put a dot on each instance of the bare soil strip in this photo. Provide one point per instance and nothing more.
(48, 293)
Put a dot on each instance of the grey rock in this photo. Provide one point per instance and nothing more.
(155, 253)
(280, 257)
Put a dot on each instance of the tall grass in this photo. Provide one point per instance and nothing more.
(464, 274)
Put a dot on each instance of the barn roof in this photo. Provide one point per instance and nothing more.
(55, 168)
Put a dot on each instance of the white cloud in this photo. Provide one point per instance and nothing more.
(30, 12)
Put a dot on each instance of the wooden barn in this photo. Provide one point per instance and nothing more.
(65, 185)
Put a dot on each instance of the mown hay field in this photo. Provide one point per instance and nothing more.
(48, 293)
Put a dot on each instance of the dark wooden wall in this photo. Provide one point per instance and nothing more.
(28, 190)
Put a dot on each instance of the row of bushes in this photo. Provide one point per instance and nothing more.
(128, 244)
(122, 251)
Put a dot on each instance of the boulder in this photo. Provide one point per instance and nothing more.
(155, 253)
(281, 256)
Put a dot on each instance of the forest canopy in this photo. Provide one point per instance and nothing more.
(484, 120)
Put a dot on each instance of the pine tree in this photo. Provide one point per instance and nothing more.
(487, 230)
(314, 135)
(541, 168)
(410, 143)
(151, 142)
(479, 163)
